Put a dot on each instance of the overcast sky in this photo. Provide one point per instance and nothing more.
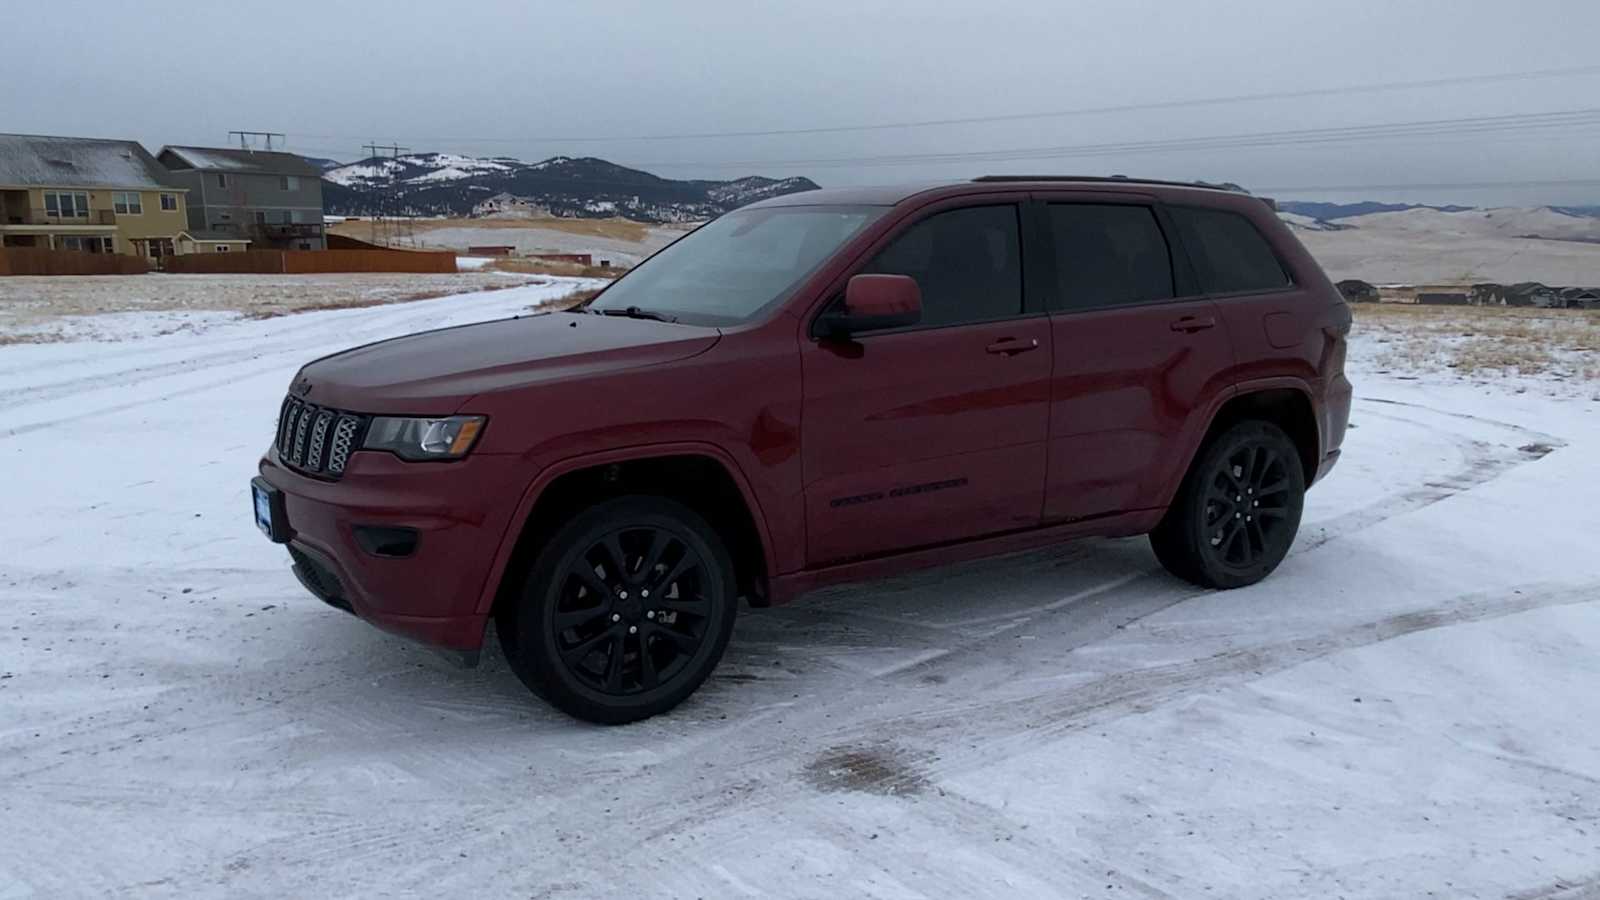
(503, 77)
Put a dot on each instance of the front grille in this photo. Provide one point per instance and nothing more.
(317, 440)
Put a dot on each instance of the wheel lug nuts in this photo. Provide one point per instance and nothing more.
(1237, 498)
(1258, 503)
(1247, 518)
(633, 629)
(644, 593)
(1236, 515)
(650, 615)
(622, 594)
(616, 618)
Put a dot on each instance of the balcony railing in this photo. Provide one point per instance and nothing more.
(46, 217)
(282, 230)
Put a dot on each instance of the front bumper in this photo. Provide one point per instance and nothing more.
(460, 512)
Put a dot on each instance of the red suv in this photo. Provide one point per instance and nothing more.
(823, 387)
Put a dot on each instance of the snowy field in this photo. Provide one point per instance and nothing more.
(1407, 708)
(99, 307)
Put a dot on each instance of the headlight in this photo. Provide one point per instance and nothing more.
(419, 439)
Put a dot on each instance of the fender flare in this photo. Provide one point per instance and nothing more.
(541, 481)
(1195, 440)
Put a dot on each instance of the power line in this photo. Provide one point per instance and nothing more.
(1379, 87)
(1433, 186)
(1384, 131)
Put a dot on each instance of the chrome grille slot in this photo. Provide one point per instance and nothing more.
(317, 440)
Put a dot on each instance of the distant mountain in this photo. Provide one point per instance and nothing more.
(1330, 211)
(583, 187)
(322, 163)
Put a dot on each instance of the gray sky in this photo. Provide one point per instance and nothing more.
(499, 77)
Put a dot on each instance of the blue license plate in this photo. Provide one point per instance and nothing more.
(269, 510)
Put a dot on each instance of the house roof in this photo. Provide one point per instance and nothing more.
(221, 159)
(37, 160)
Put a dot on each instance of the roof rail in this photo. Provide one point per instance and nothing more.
(1113, 179)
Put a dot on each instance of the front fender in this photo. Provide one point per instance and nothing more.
(547, 475)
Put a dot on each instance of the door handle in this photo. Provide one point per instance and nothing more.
(1191, 324)
(1012, 346)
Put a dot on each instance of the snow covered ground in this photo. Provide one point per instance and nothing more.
(1408, 707)
(110, 307)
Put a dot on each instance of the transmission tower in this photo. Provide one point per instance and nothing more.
(244, 136)
(387, 230)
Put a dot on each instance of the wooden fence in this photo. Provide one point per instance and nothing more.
(305, 262)
(39, 261)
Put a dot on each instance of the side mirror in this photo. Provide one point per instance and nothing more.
(872, 302)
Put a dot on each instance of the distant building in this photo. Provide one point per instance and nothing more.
(272, 199)
(1355, 291)
(89, 194)
(1489, 294)
(1532, 293)
(198, 241)
(1580, 298)
(1438, 298)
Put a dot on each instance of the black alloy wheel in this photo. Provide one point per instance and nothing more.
(1238, 510)
(626, 610)
(1247, 504)
(631, 611)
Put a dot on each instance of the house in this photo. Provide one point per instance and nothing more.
(1531, 293)
(270, 198)
(195, 240)
(89, 194)
(1580, 298)
(1488, 293)
(1443, 298)
(1356, 291)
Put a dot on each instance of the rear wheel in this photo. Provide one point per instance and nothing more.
(625, 612)
(1238, 510)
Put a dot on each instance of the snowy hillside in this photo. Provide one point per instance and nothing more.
(583, 187)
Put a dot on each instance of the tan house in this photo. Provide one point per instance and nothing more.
(89, 194)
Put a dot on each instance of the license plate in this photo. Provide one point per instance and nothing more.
(269, 510)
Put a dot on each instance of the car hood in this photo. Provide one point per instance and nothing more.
(434, 372)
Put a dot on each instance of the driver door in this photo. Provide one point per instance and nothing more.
(932, 433)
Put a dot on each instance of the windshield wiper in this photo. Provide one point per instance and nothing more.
(634, 312)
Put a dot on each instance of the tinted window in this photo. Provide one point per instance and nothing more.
(1228, 252)
(1109, 255)
(968, 263)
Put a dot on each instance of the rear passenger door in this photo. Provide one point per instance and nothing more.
(1138, 353)
(1267, 315)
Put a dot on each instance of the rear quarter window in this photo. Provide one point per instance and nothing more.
(1229, 253)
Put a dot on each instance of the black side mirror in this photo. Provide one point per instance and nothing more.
(872, 302)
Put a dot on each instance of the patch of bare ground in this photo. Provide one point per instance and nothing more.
(522, 266)
(1559, 344)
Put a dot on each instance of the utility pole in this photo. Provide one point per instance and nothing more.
(244, 136)
(379, 222)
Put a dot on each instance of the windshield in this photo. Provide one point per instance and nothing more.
(734, 267)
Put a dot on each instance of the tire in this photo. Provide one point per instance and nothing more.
(615, 640)
(1238, 509)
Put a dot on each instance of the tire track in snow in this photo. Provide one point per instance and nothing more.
(1138, 595)
(277, 345)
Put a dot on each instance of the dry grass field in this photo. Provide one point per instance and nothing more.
(614, 229)
(1559, 344)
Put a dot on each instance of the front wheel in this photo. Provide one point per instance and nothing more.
(626, 611)
(1238, 510)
